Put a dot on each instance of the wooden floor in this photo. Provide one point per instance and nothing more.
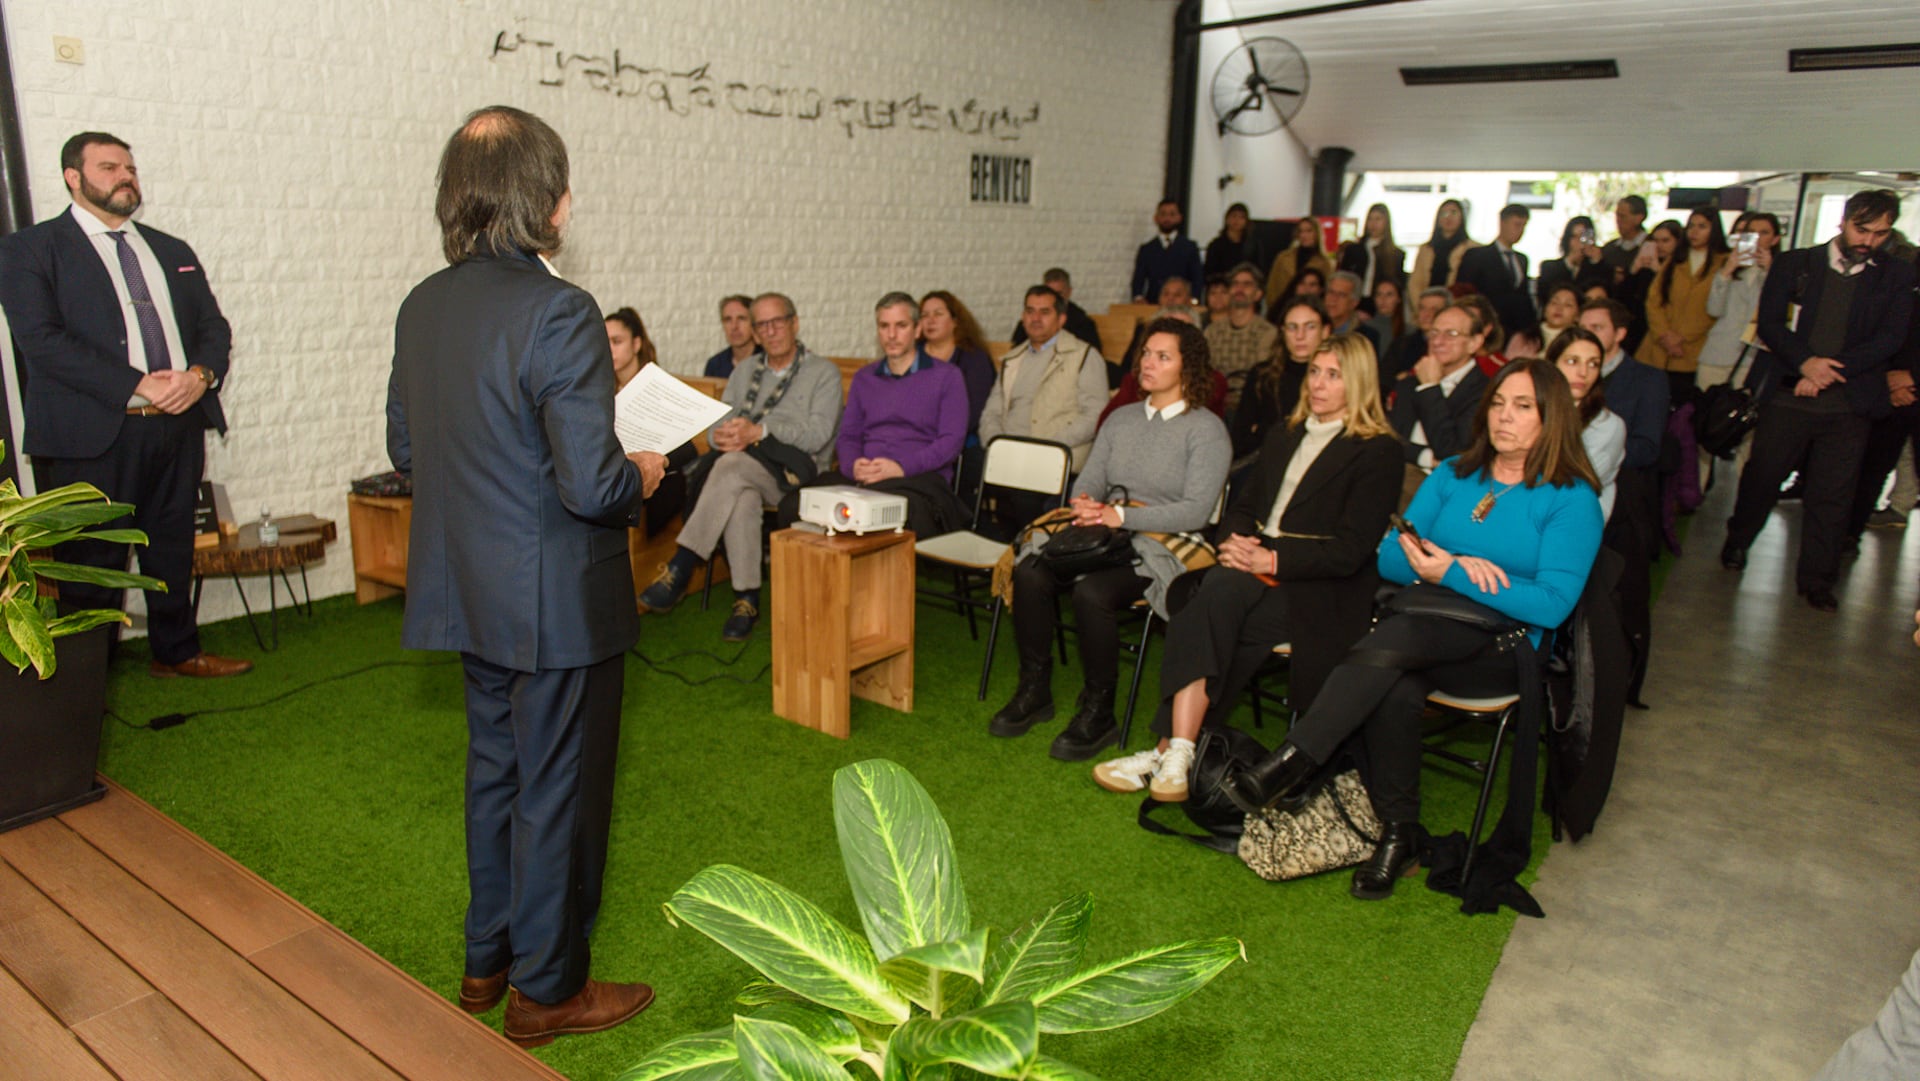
(131, 949)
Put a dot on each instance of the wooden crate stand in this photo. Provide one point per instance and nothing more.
(842, 625)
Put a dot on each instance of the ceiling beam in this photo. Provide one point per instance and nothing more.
(1298, 13)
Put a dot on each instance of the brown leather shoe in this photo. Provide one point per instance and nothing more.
(478, 994)
(204, 666)
(599, 1006)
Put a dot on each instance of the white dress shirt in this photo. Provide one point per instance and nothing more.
(97, 232)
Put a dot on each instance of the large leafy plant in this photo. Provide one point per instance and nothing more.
(29, 622)
(925, 995)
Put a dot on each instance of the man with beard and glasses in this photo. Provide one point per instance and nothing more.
(1832, 317)
(123, 349)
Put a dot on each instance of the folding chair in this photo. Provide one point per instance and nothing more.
(1028, 465)
(1257, 693)
(1501, 712)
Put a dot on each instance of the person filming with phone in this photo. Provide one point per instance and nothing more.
(1735, 294)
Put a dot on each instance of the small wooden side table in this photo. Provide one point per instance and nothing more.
(842, 625)
(379, 525)
(303, 540)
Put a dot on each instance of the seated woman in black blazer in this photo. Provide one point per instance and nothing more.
(1296, 564)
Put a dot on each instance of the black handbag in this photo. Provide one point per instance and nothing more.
(1725, 414)
(1083, 549)
(1432, 599)
(1220, 751)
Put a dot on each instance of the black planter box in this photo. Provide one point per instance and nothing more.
(50, 733)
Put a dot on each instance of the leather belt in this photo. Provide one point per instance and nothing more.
(145, 411)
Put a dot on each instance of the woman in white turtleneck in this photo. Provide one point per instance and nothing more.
(1296, 563)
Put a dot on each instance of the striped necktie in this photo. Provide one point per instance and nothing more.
(151, 335)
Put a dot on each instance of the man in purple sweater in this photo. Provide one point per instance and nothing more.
(905, 420)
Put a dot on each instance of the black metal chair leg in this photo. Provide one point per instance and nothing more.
(198, 582)
(1139, 666)
(1486, 789)
(986, 663)
(963, 590)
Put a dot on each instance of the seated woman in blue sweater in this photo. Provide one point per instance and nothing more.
(1170, 455)
(1513, 523)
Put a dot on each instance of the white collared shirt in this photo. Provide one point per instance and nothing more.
(548, 263)
(1448, 384)
(1170, 412)
(97, 233)
(1839, 265)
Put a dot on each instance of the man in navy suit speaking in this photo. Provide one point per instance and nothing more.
(501, 409)
(124, 350)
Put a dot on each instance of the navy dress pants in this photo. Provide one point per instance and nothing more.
(540, 755)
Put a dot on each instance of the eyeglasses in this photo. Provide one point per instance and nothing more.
(766, 325)
(1438, 333)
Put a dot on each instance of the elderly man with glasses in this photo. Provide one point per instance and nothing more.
(786, 410)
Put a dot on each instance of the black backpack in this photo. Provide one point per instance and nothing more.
(1219, 751)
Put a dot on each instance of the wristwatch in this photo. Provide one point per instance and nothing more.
(206, 376)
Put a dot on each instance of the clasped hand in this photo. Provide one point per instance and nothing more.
(1090, 511)
(874, 470)
(1430, 562)
(1243, 553)
(736, 433)
(171, 391)
(1816, 375)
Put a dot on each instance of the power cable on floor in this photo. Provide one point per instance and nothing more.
(659, 665)
(170, 720)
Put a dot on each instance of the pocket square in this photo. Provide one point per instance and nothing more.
(186, 270)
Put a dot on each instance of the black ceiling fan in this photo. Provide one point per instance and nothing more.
(1259, 87)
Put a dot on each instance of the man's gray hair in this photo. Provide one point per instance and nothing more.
(1185, 315)
(897, 299)
(785, 301)
(1440, 291)
(1259, 279)
(1349, 277)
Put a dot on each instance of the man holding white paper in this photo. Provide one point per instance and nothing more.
(784, 408)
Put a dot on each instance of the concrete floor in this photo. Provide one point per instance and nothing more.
(1749, 896)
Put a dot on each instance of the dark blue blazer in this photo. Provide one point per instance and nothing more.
(501, 408)
(1485, 270)
(1153, 265)
(72, 337)
(1877, 322)
(1640, 396)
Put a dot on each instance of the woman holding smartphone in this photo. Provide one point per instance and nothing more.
(1735, 294)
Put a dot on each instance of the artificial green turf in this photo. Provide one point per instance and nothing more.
(347, 795)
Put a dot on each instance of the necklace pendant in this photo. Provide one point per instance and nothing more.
(1484, 507)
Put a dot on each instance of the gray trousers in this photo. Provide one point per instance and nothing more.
(1888, 1049)
(729, 509)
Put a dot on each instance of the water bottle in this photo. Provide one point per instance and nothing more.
(269, 532)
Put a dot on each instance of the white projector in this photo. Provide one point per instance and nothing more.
(847, 509)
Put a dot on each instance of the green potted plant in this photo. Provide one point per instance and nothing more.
(51, 726)
(925, 995)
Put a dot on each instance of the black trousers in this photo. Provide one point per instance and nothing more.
(1827, 448)
(1098, 601)
(1885, 440)
(155, 464)
(1225, 625)
(540, 756)
(1378, 704)
(1014, 510)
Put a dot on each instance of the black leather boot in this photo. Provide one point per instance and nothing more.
(1279, 778)
(1091, 728)
(1032, 702)
(1395, 857)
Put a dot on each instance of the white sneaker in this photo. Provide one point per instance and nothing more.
(1170, 777)
(1127, 774)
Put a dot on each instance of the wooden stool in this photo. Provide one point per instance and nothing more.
(842, 625)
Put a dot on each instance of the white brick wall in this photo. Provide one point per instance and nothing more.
(294, 144)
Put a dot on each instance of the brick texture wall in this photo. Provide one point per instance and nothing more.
(816, 147)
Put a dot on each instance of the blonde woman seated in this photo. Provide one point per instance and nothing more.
(1170, 454)
(1577, 353)
(1296, 565)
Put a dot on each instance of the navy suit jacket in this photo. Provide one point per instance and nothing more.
(501, 408)
(1485, 270)
(1153, 265)
(1640, 396)
(1445, 419)
(1876, 322)
(72, 337)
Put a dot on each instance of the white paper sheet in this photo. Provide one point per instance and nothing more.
(658, 412)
